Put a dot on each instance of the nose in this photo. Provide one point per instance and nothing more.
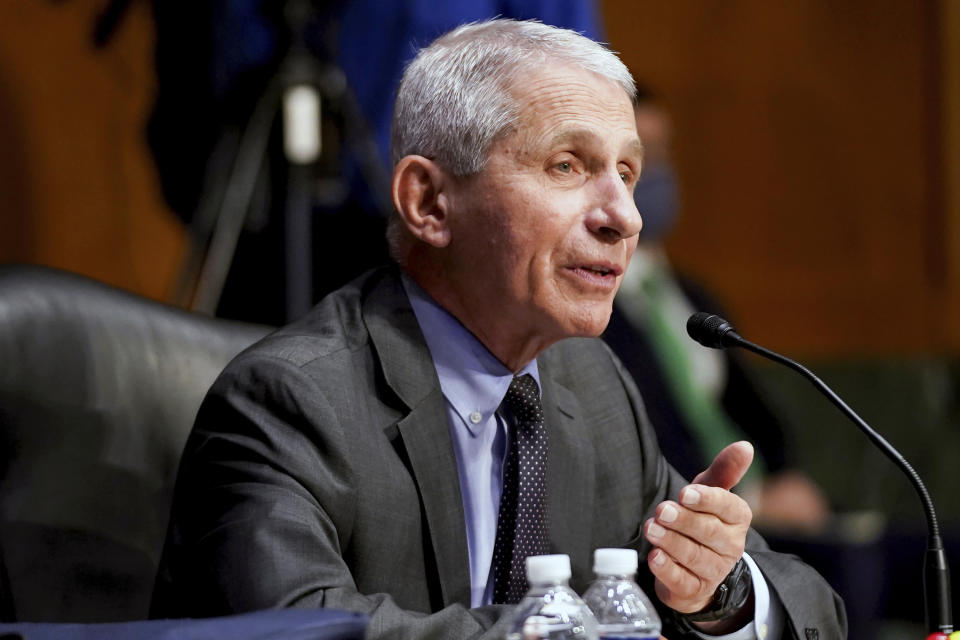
(615, 217)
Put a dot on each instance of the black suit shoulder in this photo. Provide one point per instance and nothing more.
(334, 324)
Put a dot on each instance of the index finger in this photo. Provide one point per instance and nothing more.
(729, 507)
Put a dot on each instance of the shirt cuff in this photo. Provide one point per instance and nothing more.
(768, 613)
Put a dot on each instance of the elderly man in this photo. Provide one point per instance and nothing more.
(404, 446)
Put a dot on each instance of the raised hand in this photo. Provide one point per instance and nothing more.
(699, 539)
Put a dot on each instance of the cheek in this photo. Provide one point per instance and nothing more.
(527, 237)
(499, 261)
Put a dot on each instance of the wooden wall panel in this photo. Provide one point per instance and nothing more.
(78, 189)
(806, 142)
(950, 115)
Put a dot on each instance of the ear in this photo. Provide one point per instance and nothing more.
(418, 194)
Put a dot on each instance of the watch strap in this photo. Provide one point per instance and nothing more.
(731, 595)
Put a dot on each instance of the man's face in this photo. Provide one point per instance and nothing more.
(541, 238)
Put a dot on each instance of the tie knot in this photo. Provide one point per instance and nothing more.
(523, 399)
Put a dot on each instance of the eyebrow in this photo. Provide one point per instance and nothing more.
(636, 148)
(584, 136)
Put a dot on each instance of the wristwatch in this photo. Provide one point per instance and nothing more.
(730, 597)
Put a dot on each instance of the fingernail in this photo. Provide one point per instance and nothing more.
(655, 531)
(690, 496)
(668, 513)
(658, 558)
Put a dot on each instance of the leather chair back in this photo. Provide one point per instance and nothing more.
(98, 391)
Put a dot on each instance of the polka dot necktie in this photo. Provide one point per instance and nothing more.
(522, 522)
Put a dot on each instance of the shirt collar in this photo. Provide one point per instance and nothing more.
(473, 381)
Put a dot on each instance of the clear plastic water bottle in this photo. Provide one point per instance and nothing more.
(622, 609)
(551, 609)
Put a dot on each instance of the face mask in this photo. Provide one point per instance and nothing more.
(656, 198)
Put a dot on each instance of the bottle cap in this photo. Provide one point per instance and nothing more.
(615, 562)
(551, 568)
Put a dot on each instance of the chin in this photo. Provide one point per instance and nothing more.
(588, 321)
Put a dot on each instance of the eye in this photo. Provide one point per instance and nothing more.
(627, 174)
(564, 167)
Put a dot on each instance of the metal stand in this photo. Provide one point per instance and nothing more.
(300, 90)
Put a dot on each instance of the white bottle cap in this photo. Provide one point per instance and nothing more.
(546, 569)
(615, 562)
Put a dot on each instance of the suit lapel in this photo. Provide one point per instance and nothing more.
(426, 436)
(409, 371)
(570, 472)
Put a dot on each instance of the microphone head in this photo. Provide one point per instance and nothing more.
(710, 330)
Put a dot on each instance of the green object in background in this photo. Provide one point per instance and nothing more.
(714, 430)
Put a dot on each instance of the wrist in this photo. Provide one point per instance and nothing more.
(730, 608)
(734, 621)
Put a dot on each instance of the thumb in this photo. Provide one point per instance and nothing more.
(728, 467)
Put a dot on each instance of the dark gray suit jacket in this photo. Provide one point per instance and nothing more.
(321, 472)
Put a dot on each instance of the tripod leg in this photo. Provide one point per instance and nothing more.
(235, 204)
(205, 217)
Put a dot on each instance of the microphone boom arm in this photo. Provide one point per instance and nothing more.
(713, 331)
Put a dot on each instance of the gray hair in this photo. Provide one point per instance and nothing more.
(454, 100)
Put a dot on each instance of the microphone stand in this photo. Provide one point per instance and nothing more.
(936, 571)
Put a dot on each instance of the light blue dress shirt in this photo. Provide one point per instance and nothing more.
(474, 383)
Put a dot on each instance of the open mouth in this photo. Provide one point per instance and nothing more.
(602, 274)
(601, 271)
(601, 268)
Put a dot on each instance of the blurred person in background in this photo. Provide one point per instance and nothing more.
(699, 400)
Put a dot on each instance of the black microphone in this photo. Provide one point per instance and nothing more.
(715, 332)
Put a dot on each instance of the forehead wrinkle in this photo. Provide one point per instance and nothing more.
(545, 97)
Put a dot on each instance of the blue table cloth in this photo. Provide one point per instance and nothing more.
(279, 624)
